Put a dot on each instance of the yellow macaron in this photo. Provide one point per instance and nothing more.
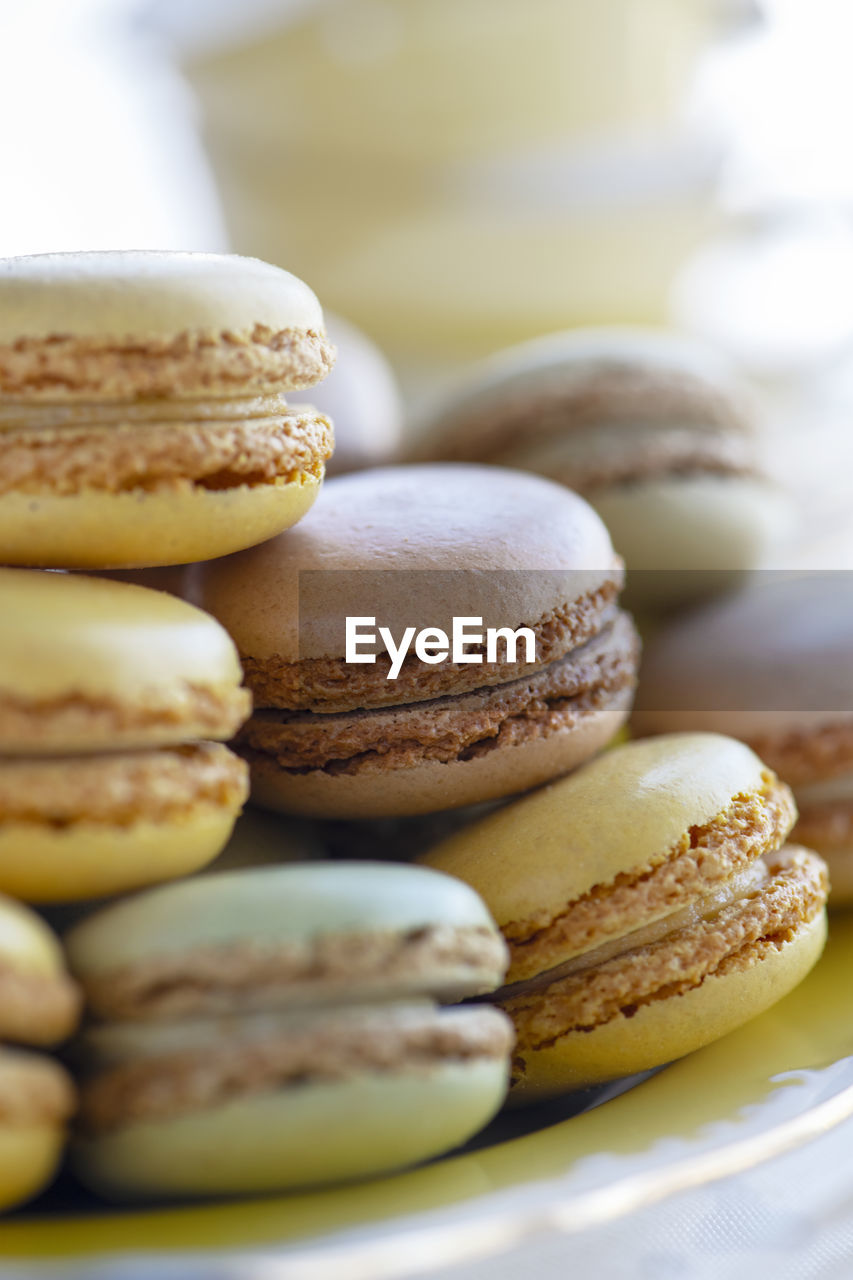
(648, 905)
(109, 694)
(142, 410)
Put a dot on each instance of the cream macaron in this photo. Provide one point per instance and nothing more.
(651, 427)
(772, 666)
(142, 410)
(278, 1027)
(648, 905)
(112, 698)
(412, 549)
(39, 1005)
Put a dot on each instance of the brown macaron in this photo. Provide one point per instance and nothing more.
(410, 549)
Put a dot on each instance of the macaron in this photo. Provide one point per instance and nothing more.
(648, 904)
(110, 695)
(142, 410)
(652, 428)
(772, 666)
(406, 553)
(39, 1005)
(278, 1027)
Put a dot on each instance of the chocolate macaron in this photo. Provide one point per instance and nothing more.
(372, 734)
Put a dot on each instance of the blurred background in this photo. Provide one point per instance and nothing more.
(452, 176)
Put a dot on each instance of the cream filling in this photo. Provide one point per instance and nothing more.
(23, 415)
(738, 886)
(837, 790)
(596, 448)
(115, 1043)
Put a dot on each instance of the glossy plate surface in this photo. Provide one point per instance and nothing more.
(784, 1078)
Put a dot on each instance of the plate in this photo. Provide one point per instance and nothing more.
(784, 1078)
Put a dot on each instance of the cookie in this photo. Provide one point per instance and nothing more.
(142, 410)
(277, 1027)
(651, 428)
(110, 695)
(648, 904)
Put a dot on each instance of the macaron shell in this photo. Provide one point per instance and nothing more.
(29, 1158)
(44, 863)
(117, 294)
(391, 541)
(302, 1136)
(269, 905)
(138, 528)
(27, 944)
(72, 636)
(615, 815)
(698, 531)
(431, 786)
(668, 1028)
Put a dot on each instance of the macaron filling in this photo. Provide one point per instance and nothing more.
(36, 1008)
(628, 453)
(34, 1090)
(242, 1056)
(766, 917)
(706, 907)
(598, 675)
(699, 866)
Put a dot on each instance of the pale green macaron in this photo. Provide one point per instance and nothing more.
(648, 905)
(277, 1027)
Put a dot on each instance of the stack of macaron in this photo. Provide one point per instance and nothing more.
(430, 639)
(144, 424)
